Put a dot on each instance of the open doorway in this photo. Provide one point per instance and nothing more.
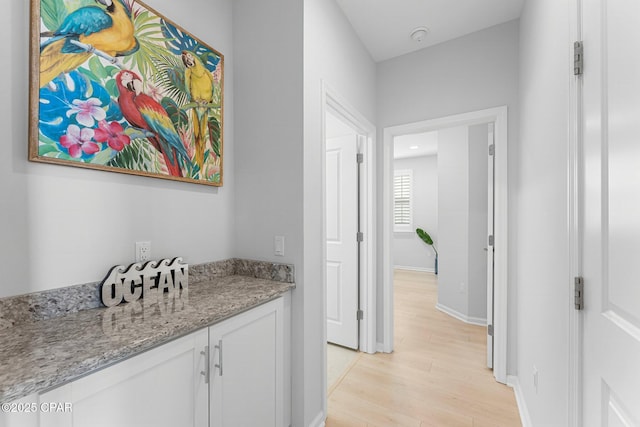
(442, 182)
(342, 195)
(458, 297)
(349, 233)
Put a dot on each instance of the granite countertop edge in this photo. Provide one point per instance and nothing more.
(215, 301)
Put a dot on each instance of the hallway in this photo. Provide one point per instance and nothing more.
(435, 377)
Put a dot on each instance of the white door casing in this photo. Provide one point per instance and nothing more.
(498, 115)
(610, 211)
(336, 104)
(490, 245)
(342, 246)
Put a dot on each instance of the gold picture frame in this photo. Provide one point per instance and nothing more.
(117, 86)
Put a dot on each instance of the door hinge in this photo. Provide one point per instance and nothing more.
(492, 150)
(578, 58)
(490, 240)
(360, 158)
(359, 315)
(490, 330)
(359, 236)
(578, 296)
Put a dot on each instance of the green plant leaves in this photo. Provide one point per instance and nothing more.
(214, 131)
(424, 236)
(53, 13)
(139, 155)
(427, 239)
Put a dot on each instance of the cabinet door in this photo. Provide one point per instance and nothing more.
(161, 387)
(20, 413)
(247, 368)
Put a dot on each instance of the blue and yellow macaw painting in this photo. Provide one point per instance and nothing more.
(120, 87)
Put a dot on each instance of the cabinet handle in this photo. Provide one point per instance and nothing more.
(219, 364)
(205, 353)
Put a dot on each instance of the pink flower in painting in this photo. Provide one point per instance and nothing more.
(78, 141)
(154, 92)
(186, 135)
(211, 172)
(111, 133)
(88, 112)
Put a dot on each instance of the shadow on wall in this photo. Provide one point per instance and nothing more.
(16, 240)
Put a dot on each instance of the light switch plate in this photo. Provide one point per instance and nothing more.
(278, 245)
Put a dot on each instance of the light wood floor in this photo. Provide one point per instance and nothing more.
(435, 377)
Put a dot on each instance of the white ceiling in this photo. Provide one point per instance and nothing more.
(384, 25)
(426, 143)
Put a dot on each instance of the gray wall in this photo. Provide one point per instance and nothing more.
(478, 186)
(269, 95)
(542, 245)
(409, 250)
(470, 73)
(61, 226)
(453, 214)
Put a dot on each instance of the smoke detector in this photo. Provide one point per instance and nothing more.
(418, 34)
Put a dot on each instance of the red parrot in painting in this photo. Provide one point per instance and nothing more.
(144, 112)
(108, 30)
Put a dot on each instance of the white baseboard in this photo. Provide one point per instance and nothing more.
(514, 382)
(422, 269)
(318, 421)
(380, 348)
(466, 319)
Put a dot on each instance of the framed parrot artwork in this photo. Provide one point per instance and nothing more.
(116, 86)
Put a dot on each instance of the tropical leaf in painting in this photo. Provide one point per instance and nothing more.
(48, 147)
(178, 117)
(57, 103)
(52, 13)
(151, 40)
(212, 168)
(215, 132)
(139, 155)
(102, 73)
(177, 41)
(170, 77)
(217, 95)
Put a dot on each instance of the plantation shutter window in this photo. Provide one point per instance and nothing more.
(402, 203)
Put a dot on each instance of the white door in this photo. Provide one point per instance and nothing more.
(342, 245)
(611, 213)
(490, 250)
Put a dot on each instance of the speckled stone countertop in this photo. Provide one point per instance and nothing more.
(38, 355)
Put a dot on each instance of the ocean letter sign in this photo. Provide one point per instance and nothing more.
(151, 279)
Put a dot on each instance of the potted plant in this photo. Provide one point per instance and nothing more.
(429, 241)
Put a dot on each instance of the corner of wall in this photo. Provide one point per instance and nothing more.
(514, 382)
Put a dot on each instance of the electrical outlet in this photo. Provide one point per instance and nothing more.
(143, 251)
(535, 379)
(462, 287)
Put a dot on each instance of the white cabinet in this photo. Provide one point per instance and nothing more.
(20, 413)
(161, 387)
(247, 368)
